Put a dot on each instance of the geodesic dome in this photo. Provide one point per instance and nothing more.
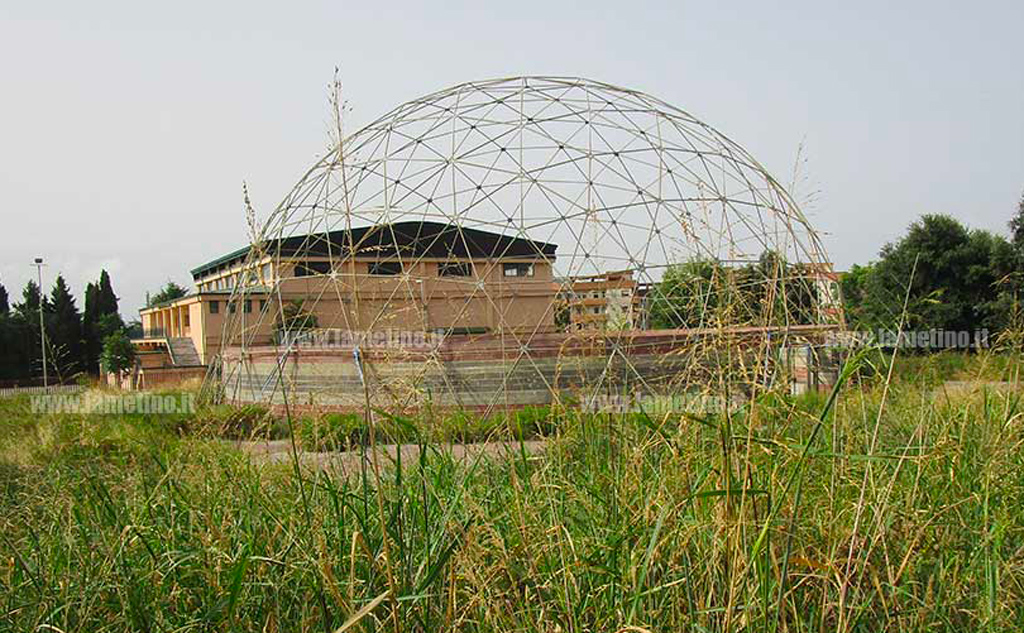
(522, 241)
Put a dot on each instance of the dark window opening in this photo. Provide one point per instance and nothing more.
(385, 268)
(307, 269)
(247, 306)
(214, 307)
(461, 331)
(455, 269)
(518, 270)
(231, 307)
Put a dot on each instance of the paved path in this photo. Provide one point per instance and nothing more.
(280, 452)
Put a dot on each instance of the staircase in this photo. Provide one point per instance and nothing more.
(183, 352)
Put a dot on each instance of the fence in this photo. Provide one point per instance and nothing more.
(10, 392)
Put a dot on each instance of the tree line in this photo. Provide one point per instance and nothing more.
(704, 293)
(941, 275)
(74, 338)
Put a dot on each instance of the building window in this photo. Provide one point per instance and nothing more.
(214, 307)
(263, 304)
(265, 273)
(518, 270)
(385, 268)
(307, 269)
(231, 307)
(247, 306)
(455, 269)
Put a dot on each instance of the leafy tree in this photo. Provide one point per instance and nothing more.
(854, 288)
(775, 292)
(108, 324)
(704, 293)
(118, 355)
(1017, 244)
(293, 319)
(562, 314)
(949, 277)
(687, 295)
(133, 328)
(169, 292)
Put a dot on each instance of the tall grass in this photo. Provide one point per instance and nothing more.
(729, 522)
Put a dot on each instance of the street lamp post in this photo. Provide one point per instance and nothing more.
(42, 328)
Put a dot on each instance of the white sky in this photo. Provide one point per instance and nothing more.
(127, 128)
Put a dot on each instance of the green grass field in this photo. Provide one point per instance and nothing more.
(899, 507)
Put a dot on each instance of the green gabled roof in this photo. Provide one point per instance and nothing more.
(223, 259)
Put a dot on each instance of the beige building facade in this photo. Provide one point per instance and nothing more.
(418, 276)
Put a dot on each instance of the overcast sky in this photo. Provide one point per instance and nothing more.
(128, 127)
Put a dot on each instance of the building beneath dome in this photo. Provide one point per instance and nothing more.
(408, 276)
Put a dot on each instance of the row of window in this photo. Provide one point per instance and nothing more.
(230, 281)
(233, 306)
(384, 268)
(598, 294)
(391, 268)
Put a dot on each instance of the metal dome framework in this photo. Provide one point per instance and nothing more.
(617, 179)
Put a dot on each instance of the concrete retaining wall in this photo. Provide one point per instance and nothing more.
(481, 372)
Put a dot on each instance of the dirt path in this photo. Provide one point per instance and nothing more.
(280, 452)
(953, 388)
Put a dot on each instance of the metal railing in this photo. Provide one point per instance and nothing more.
(153, 332)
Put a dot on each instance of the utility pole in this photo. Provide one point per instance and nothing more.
(42, 328)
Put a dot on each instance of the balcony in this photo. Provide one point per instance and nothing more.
(151, 333)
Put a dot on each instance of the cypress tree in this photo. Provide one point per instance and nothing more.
(99, 319)
(64, 330)
(90, 336)
(106, 301)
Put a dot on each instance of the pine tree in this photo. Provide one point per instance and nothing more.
(29, 306)
(64, 330)
(5, 305)
(26, 317)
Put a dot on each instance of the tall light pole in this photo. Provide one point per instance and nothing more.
(42, 328)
